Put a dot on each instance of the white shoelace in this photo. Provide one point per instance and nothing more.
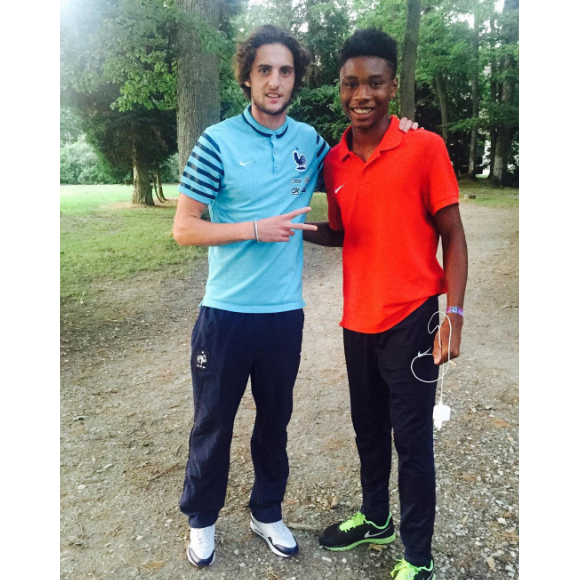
(203, 536)
(285, 534)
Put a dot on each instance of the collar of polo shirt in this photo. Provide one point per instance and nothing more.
(391, 139)
(260, 129)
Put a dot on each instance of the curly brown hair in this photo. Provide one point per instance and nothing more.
(269, 34)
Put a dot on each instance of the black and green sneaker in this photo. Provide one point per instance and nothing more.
(405, 571)
(357, 530)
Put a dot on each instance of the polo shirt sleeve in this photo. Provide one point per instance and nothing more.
(334, 215)
(440, 187)
(204, 171)
(322, 149)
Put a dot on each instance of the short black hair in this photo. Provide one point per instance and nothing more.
(269, 34)
(370, 42)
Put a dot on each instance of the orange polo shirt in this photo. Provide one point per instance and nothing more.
(386, 207)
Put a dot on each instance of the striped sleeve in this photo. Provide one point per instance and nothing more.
(204, 171)
(322, 149)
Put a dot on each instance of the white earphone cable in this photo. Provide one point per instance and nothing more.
(445, 366)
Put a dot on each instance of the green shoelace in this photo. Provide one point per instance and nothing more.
(357, 520)
(408, 570)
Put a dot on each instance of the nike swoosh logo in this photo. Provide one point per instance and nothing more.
(339, 188)
(246, 163)
(369, 535)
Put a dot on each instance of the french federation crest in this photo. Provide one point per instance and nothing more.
(300, 160)
(201, 360)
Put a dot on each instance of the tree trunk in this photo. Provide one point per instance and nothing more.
(494, 97)
(410, 43)
(474, 97)
(505, 132)
(198, 103)
(443, 105)
(142, 191)
(155, 187)
(158, 186)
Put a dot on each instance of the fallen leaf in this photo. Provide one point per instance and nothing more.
(491, 563)
(153, 565)
(511, 536)
(501, 423)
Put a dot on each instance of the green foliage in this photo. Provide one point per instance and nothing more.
(70, 127)
(118, 68)
(282, 13)
(124, 43)
(321, 108)
(80, 164)
(152, 135)
(118, 78)
(387, 15)
(445, 49)
(328, 26)
(170, 171)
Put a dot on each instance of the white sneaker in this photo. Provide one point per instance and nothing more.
(278, 537)
(201, 548)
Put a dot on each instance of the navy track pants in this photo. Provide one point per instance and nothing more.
(228, 348)
(385, 397)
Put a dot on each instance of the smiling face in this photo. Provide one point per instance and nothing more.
(367, 85)
(271, 83)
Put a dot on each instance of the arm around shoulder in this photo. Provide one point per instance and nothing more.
(324, 235)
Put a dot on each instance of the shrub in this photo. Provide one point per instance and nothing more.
(80, 165)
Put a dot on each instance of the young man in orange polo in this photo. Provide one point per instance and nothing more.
(391, 196)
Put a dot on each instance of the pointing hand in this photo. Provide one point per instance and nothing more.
(281, 227)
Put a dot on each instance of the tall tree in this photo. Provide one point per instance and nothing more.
(328, 27)
(441, 89)
(287, 14)
(474, 143)
(508, 122)
(117, 74)
(409, 60)
(493, 90)
(198, 67)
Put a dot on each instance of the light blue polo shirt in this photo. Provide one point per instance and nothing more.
(244, 172)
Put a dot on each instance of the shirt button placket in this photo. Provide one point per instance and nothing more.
(274, 152)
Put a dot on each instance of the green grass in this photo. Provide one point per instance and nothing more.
(102, 237)
(319, 212)
(485, 194)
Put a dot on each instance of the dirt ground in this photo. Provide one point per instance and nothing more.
(126, 412)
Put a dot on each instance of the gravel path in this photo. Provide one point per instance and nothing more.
(126, 415)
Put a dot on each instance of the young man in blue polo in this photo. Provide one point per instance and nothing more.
(247, 169)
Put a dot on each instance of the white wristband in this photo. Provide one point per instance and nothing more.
(256, 231)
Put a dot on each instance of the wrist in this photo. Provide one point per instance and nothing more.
(454, 310)
(249, 234)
